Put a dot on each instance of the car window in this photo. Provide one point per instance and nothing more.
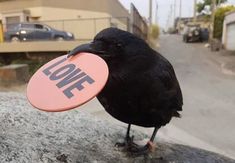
(39, 26)
(28, 26)
(46, 28)
(11, 27)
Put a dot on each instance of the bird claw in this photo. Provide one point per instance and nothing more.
(129, 141)
(135, 149)
(142, 150)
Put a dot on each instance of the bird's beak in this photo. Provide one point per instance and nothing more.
(90, 48)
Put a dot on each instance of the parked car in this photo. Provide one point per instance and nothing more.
(192, 34)
(204, 34)
(34, 31)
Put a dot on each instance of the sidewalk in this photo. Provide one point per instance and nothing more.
(225, 59)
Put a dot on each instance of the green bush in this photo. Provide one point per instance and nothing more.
(154, 31)
(201, 5)
(219, 19)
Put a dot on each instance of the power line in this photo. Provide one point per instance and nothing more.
(195, 11)
(174, 9)
(156, 13)
(169, 16)
(150, 12)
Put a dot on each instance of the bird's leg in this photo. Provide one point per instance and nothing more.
(128, 140)
(134, 148)
(149, 147)
(150, 142)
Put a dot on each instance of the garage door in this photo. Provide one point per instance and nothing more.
(230, 42)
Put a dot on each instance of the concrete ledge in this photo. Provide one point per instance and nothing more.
(39, 46)
(30, 135)
(14, 74)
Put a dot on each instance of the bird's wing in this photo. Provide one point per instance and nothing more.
(166, 74)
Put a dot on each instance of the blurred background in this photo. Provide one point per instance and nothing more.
(196, 36)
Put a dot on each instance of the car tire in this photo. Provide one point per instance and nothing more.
(186, 40)
(15, 39)
(59, 38)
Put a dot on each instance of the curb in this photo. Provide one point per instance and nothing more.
(223, 65)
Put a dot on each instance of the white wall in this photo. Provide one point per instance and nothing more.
(230, 18)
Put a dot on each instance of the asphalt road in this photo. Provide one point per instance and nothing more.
(208, 116)
(209, 95)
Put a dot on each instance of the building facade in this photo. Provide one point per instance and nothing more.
(228, 38)
(83, 18)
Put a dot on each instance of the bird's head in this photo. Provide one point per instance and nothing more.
(112, 43)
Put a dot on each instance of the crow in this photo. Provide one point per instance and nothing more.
(142, 88)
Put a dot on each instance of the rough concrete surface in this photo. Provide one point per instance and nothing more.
(28, 135)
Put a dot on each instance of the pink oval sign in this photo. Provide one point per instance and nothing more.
(65, 83)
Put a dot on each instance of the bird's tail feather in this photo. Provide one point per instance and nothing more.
(176, 114)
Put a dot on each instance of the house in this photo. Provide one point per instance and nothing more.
(228, 38)
(83, 18)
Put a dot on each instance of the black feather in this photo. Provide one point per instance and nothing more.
(142, 88)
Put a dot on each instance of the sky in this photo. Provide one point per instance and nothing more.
(164, 15)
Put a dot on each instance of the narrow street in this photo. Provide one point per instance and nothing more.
(209, 95)
(208, 115)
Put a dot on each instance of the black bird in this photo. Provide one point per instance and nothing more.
(142, 88)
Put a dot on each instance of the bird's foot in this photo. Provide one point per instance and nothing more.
(135, 149)
(142, 150)
(129, 141)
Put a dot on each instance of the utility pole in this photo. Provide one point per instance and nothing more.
(156, 13)
(180, 9)
(150, 12)
(219, 3)
(195, 11)
(169, 17)
(174, 14)
(213, 5)
(174, 9)
(171, 13)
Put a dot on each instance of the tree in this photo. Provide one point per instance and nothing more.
(154, 31)
(201, 5)
(219, 19)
